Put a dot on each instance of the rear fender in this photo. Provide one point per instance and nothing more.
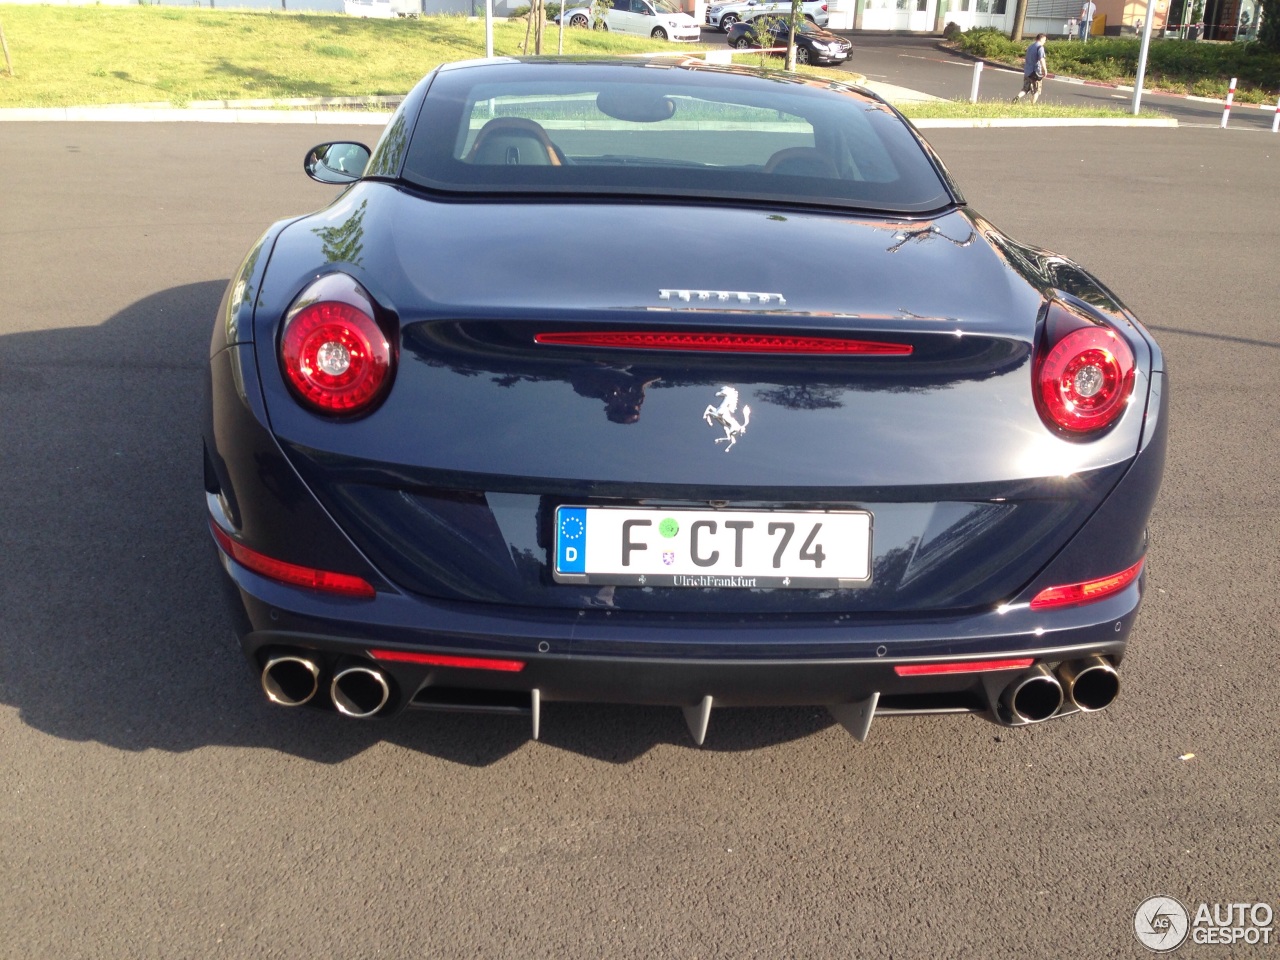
(263, 500)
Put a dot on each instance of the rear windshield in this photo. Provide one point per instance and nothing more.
(666, 128)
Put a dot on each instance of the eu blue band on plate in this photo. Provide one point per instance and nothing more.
(571, 539)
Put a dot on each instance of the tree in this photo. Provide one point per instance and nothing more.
(1019, 19)
(8, 64)
(536, 24)
(797, 13)
(1269, 30)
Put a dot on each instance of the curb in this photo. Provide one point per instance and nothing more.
(379, 119)
(172, 115)
(941, 123)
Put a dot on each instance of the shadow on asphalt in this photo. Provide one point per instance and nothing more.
(1245, 341)
(113, 625)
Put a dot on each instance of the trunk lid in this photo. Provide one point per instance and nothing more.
(451, 485)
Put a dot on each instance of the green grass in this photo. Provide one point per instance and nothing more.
(80, 56)
(1177, 66)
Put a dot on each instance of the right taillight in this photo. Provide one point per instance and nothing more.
(333, 353)
(1084, 373)
(1074, 594)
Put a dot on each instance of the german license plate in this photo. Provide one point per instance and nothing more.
(646, 546)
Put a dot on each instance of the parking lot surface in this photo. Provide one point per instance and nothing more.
(156, 806)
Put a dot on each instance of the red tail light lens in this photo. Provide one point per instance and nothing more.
(325, 581)
(961, 666)
(335, 357)
(1085, 374)
(444, 660)
(1074, 594)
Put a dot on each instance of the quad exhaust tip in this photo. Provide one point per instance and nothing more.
(1034, 696)
(359, 691)
(1090, 684)
(291, 679)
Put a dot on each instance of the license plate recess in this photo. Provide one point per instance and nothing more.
(704, 548)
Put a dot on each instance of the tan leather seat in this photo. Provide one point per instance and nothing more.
(801, 162)
(514, 140)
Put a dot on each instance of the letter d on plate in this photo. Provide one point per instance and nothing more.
(571, 540)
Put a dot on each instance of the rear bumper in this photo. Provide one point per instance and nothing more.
(661, 661)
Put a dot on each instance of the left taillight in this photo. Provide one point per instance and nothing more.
(326, 581)
(334, 355)
(1084, 373)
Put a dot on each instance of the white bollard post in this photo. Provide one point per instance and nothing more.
(1226, 110)
(977, 76)
(1275, 124)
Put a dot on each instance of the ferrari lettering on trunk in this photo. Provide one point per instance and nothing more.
(722, 296)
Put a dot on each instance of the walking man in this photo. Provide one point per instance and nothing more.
(1087, 13)
(1034, 69)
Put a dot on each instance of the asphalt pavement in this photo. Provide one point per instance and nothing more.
(156, 806)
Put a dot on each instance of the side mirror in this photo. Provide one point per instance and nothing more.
(340, 162)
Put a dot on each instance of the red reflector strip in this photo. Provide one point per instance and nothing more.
(290, 573)
(440, 660)
(961, 666)
(724, 343)
(1077, 593)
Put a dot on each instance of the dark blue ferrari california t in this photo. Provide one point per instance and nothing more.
(651, 381)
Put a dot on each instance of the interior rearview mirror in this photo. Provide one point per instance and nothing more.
(636, 104)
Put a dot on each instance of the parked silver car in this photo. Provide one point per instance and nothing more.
(660, 19)
(722, 16)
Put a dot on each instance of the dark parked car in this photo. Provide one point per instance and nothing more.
(813, 44)
(503, 425)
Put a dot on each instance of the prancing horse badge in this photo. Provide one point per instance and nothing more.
(724, 415)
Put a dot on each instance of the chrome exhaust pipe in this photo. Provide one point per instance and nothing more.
(290, 679)
(1033, 696)
(1090, 684)
(359, 691)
